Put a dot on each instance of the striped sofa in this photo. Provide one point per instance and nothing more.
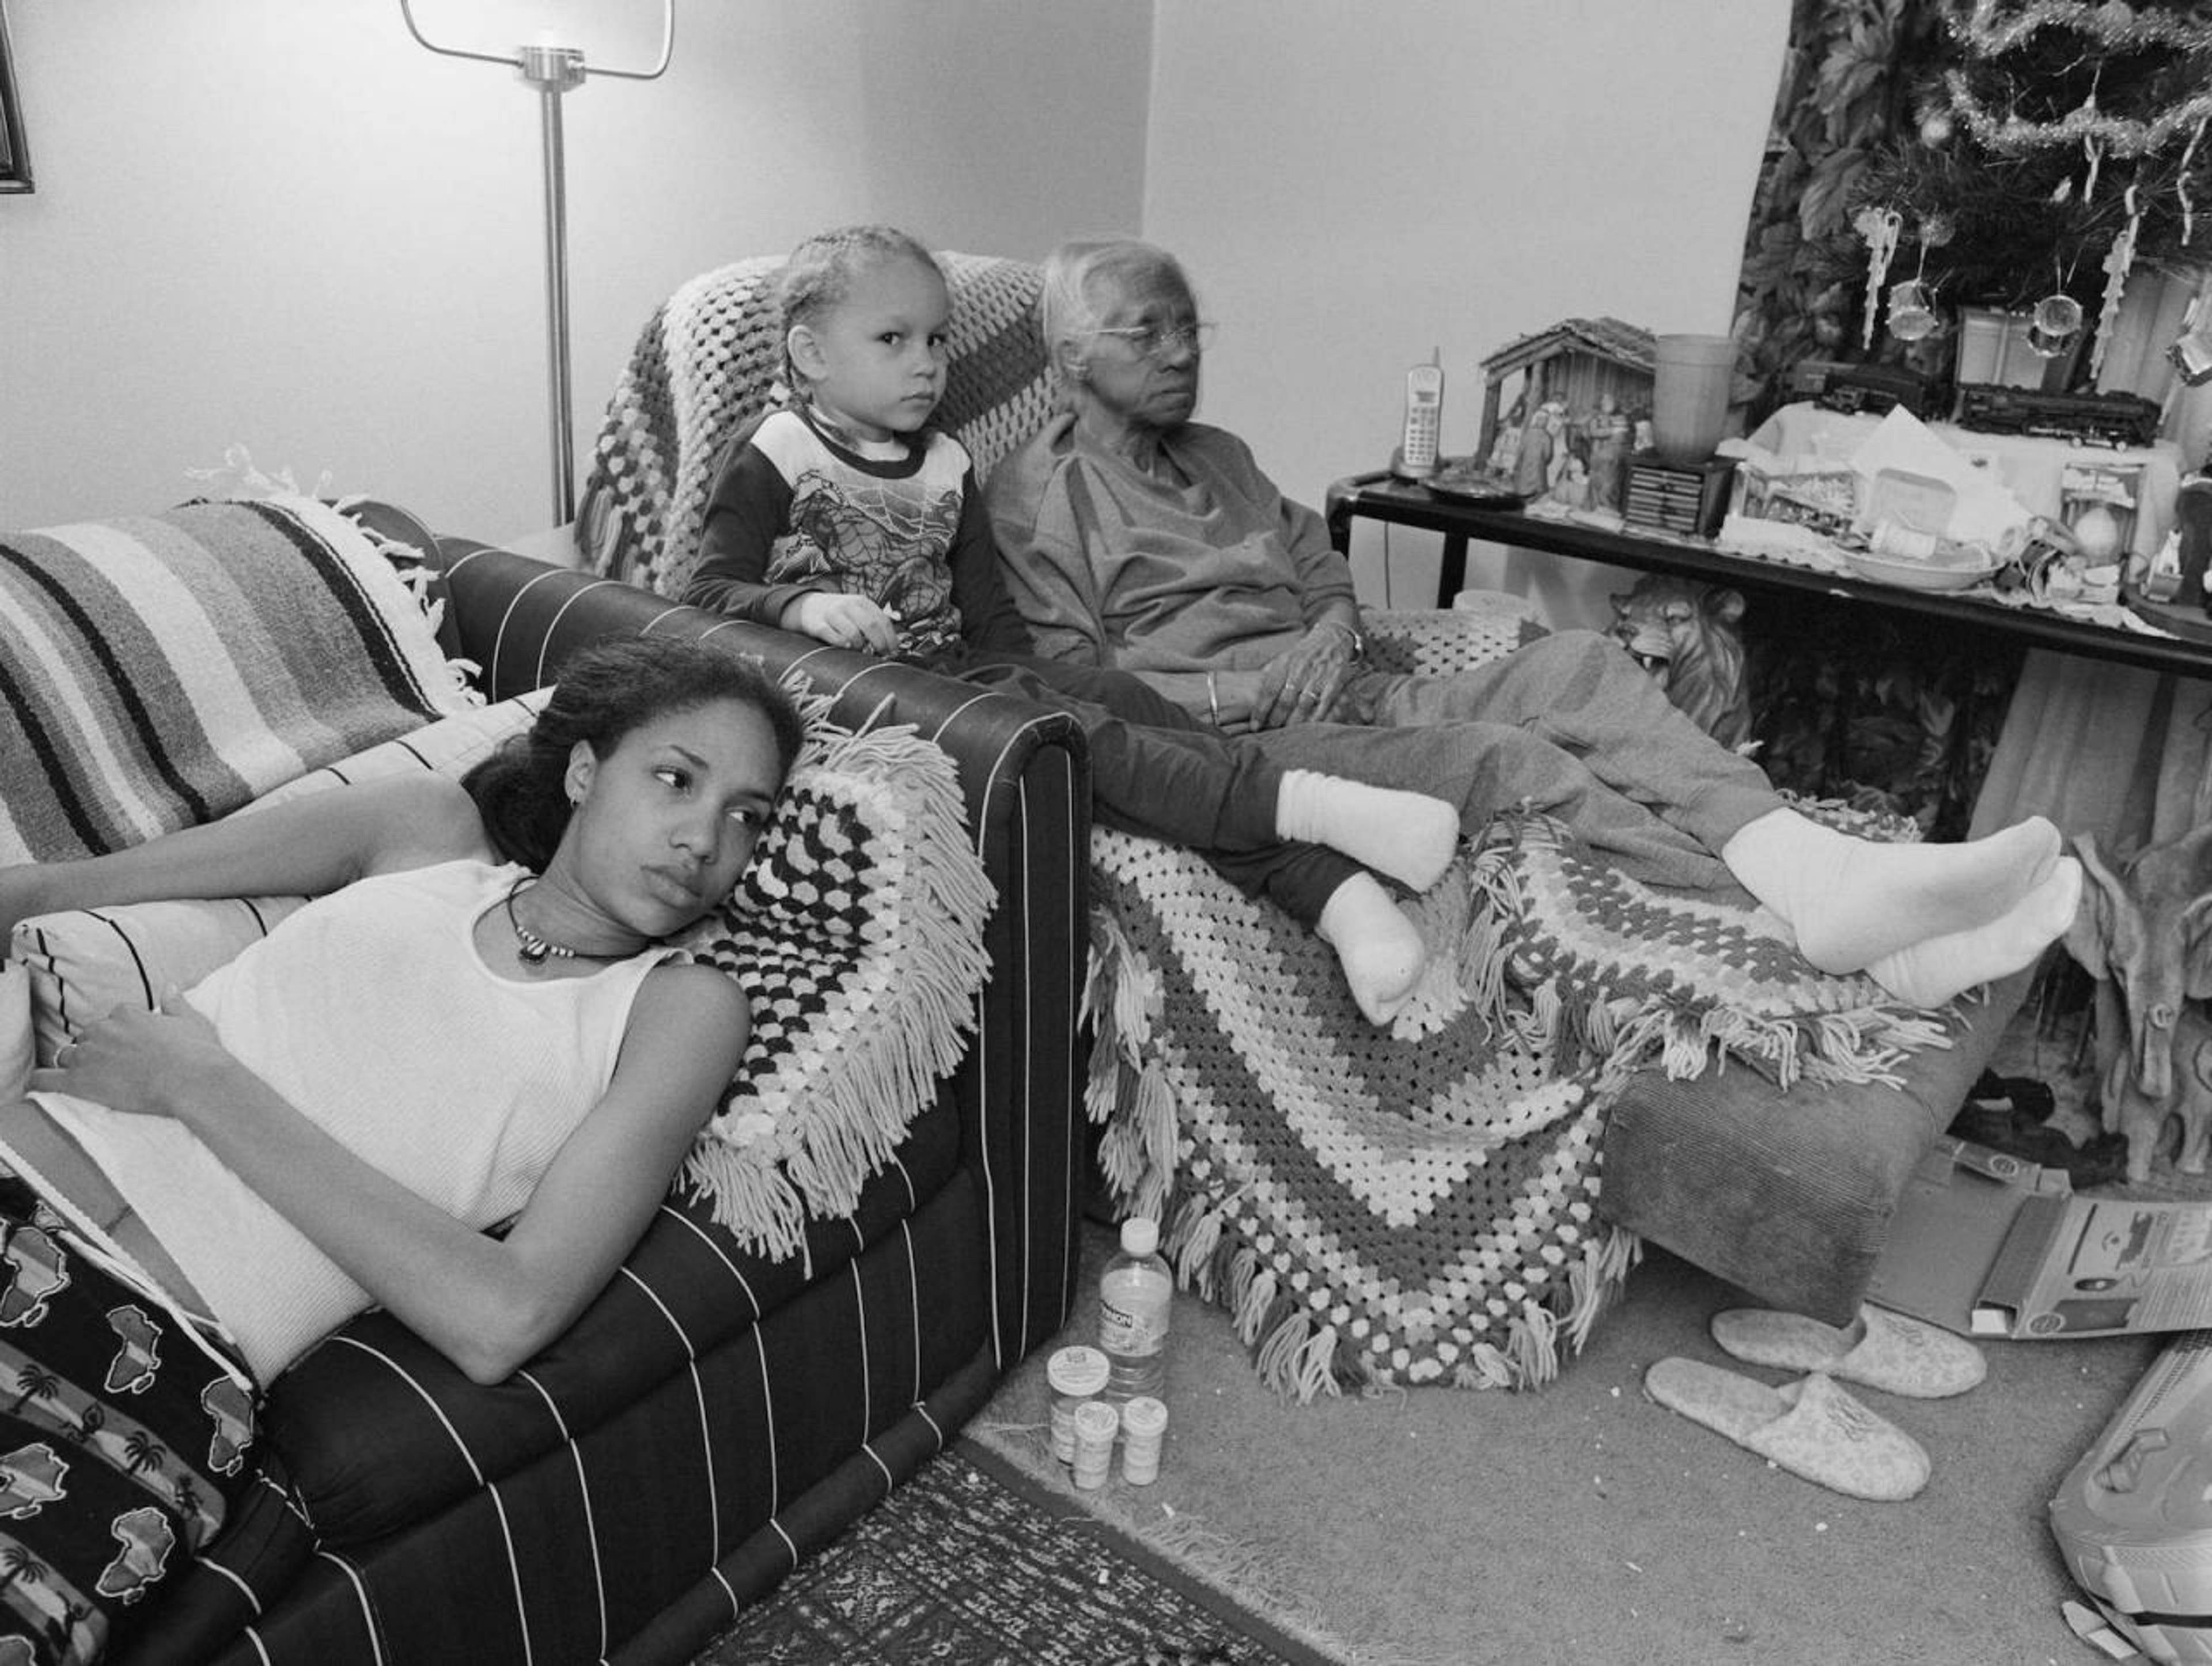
(714, 1416)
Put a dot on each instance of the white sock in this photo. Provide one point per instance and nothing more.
(1379, 949)
(1408, 836)
(1852, 901)
(1930, 973)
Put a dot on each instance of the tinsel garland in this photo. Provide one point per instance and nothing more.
(2108, 23)
(2011, 136)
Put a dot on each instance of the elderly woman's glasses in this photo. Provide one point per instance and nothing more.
(1154, 341)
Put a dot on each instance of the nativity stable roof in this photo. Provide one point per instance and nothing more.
(1624, 344)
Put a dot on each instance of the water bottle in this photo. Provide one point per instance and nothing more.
(1133, 1298)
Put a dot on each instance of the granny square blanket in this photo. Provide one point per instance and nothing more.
(1419, 1205)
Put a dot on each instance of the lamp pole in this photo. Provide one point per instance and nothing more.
(553, 71)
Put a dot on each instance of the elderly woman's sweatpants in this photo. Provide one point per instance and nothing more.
(1156, 771)
(1569, 726)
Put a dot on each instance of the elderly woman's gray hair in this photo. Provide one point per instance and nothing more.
(1082, 282)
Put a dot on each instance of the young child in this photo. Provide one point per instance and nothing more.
(842, 516)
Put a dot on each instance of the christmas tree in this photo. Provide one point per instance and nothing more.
(2055, 143)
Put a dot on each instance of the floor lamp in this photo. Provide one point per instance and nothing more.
(553, 71)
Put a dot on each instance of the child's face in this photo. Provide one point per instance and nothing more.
(875, 362)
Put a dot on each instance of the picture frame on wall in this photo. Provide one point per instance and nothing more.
(15, 152)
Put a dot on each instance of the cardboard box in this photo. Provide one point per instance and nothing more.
(1988, 1245)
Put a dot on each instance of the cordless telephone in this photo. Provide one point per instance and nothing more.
(1424, 405)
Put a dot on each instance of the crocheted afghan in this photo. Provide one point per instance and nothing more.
(707, 362)
(858, 932)
(1420, 1205)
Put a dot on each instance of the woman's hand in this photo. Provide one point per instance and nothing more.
(148, 1064)
(1301, 684)
(843, 621)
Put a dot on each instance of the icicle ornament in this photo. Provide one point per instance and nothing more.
(1881, 228)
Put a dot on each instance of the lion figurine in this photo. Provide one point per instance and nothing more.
(1686, 634)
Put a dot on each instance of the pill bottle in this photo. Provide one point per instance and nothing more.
(1144, 1422)
(1072, 1375)
(1096, 1423)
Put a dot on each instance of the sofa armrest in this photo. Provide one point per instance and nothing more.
(1025, 772)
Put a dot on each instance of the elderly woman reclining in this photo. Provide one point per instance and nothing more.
(1136, 538)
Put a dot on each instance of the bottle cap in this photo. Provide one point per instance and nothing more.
(1144, 1416)
(1078, 1370)
(1096, 1420)
(1141, 1236)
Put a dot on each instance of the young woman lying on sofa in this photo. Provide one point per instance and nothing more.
(476, 1022)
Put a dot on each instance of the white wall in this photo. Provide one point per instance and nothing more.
(288, 227)
(1352, 185)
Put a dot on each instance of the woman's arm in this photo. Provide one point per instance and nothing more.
(487, 1304)
(310, 845)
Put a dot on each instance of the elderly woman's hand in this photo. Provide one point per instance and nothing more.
(1302, 684)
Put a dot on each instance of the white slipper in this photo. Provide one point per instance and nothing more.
(1811, 1428)
(1881, 1349)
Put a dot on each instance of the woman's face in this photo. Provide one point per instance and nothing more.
(667, 821)
(1141, 367)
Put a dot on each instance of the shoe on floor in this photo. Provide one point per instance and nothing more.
(1809, 1427)
(1881, 1349)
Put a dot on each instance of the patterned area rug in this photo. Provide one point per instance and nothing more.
(958, 1565)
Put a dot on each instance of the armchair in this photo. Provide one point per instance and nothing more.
(1453, 1201)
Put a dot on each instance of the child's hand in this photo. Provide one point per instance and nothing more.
(844, 620)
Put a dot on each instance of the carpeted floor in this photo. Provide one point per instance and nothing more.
(1585, 1523)
(970, 1564)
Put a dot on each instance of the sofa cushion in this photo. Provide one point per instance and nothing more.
(161, 670)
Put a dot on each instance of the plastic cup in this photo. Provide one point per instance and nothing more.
(1691, 377)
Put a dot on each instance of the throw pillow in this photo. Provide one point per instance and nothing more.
(162, 671)
(83, 964)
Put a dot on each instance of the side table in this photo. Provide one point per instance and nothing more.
(2109, 731)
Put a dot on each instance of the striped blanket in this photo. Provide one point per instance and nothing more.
(161, 670)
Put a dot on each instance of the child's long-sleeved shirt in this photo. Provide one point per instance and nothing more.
(795, 511)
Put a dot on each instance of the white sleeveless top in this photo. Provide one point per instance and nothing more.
(370, 1010)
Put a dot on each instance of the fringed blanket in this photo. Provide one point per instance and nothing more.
(1420, 1205)
(858, 932)
(163, 670)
